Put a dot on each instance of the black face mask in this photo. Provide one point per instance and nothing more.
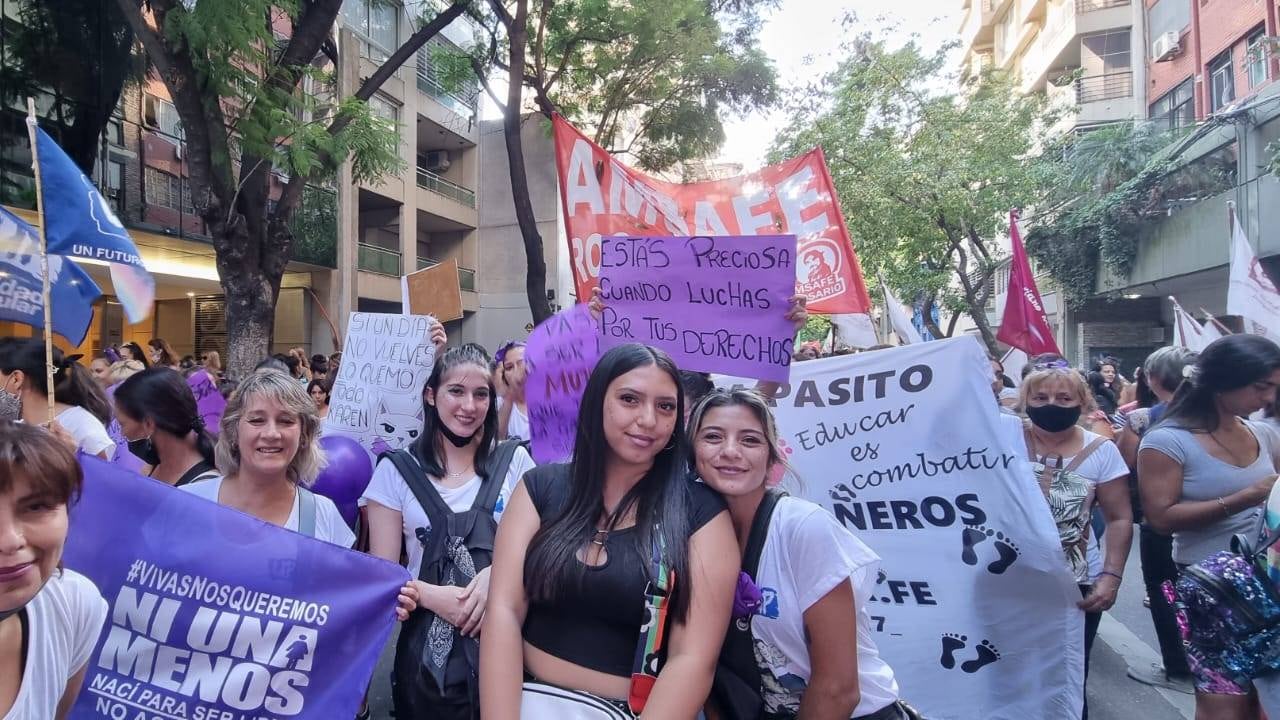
(451, 436)
(145, 450)
(1053, 418)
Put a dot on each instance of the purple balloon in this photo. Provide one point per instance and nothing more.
(346, 476)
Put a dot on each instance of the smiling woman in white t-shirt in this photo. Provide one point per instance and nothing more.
(810, 634)
(49, 617)
(268, 455)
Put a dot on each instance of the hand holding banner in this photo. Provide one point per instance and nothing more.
(715, 304)
(560, 355)
(216, 614)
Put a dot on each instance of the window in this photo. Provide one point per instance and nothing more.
(115, 131)
(1222, 82)
(162, 115)
(1176, 108)
(386, 109)
(168, 191)
(1257, 55)
(1105, 53)
(1005, 34)
(377, 21)
(114, 185)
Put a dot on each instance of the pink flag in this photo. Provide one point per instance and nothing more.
(1024, 325)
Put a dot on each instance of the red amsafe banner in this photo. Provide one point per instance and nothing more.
(604, 197)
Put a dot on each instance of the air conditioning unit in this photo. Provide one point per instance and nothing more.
(436, 160)
(1165, 47)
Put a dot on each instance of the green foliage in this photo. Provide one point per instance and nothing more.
(815, 328)
(925, 176)
(315, 227)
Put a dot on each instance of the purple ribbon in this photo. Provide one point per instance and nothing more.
(747, 598)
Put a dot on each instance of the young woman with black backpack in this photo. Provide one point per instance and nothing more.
(440, 500)
(808, 650)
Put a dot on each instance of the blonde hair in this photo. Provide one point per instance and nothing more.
(1074, 381)
(278, 386)
(122, 370)
(213, 361)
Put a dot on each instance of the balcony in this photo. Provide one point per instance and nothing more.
(1097, 88)
(429, 85)
(378, 260)
(976, 31)
(451, 190)
(1087, 6)
(466, 276)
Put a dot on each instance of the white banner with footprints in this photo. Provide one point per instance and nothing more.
(975, 609)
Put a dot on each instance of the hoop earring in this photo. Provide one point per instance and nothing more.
(671, 445)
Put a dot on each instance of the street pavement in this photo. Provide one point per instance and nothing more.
(1126, 637)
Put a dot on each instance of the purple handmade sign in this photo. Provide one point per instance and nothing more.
(218, 615)
(209, 400)
(715, 304)
(121, 455)
(560, 355)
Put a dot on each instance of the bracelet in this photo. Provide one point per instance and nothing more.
(1117, 576)
(1226, 512)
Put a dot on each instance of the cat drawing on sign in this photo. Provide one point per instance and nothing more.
(394, 427)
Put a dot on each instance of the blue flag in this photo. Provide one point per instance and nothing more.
(72, 291)
(79, 223)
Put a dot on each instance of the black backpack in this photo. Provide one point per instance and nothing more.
(736, 687)
(416, 688)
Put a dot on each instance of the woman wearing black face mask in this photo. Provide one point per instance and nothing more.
(1073, 467)
(455, 470)
(159, 417)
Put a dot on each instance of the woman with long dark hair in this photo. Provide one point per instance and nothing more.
(319, 392)
(162, 354)
(611, 559)
(1204, 473)
(49, 616)
(416, 497)
(133, 351)
(815, 656)
(160, 420)
(79, 406)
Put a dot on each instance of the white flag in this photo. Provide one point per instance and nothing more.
(898, 317)
(854, 330)
(1187, 332)
(1210, 332)
(1251, 294)
(1013, 362)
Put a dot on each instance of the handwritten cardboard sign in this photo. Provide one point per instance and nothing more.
(209, 400)
(434, 291)
(715, 304)
(377, 395)
(560, 356)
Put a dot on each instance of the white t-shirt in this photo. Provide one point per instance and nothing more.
(517, 423)
(64, 620)
(1104, 465)
(330, 526)
(89, 432)
(388, 488)
(806, 554)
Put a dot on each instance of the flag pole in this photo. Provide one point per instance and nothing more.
(45, 290)
(1218, 324)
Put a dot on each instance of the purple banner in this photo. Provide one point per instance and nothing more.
(560, 356)
(121, 455)
(209, 401)
(715, 304)
(218, 615)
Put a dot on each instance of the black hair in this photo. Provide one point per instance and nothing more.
(1145, 396)
(695, 386)
(1104, 396)
(291, 363)
(430, 448)
(187, 362)
(661, 498)
(319, 363)
(1229, 363)
(480, 350)
(275, 362)
(72, 383)
(323, 385)
(136, 353)
(164, 396)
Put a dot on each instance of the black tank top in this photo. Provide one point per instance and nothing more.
(597, 624)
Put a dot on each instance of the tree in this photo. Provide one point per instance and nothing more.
(925, 176)
(51, 37)
(238, 92)
(652, 78)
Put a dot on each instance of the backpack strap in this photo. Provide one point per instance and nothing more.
(306, 512)
(653, 634)
(760, 531)
(432, 504)
(495, 475)
(1084, 453)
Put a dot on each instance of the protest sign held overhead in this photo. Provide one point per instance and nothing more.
(209, 400)
(377, 396)
(560, 355)
(271, 625)
(434, 291)
(715, 304)
(907, 449)
(603, 197)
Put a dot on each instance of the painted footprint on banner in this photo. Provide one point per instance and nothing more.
(972, 537)
(842, 493)
(1008, 552)
(951, 642)
(987, 654)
